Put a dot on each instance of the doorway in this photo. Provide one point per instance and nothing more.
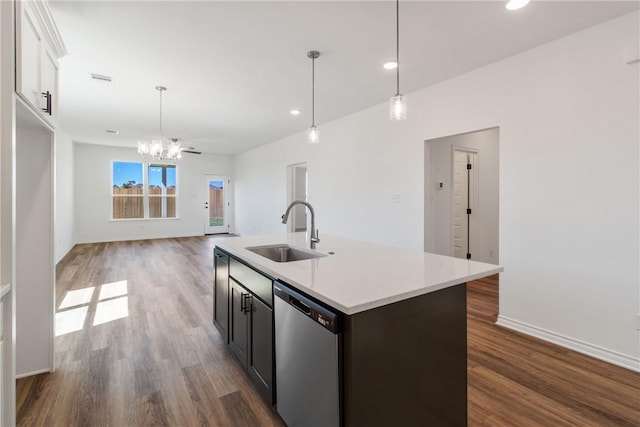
(462, 195)
(216, 204)
(463, 192)
(297, 191)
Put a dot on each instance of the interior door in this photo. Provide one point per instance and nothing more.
(462, 197)
(216, 204)
(297, 191)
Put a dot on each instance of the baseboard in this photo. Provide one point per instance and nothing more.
(146, 237)
(64, 253)
(28, 374)
(595, 351)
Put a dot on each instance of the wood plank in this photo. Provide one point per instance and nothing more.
(165, 363)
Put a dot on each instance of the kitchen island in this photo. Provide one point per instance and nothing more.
(403, 341)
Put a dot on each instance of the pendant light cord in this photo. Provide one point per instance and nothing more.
(313, 90)
(397, 47)
(160, 90)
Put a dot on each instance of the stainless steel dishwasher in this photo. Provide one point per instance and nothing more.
(308, 341)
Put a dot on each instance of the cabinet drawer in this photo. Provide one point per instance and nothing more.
(260, 285)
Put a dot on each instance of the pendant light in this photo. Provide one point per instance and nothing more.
(156, 149)
(397, 103)
(313, 135)
(516, 4)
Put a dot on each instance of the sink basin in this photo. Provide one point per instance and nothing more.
(283, 253)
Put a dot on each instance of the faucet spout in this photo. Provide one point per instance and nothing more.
(314, 232)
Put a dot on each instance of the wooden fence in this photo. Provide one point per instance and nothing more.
(216, 206)
(129, 203)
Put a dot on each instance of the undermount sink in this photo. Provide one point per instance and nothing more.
(283, 253)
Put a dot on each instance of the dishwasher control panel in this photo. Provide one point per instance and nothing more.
(314, 309)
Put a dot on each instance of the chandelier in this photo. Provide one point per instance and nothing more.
(156, 148)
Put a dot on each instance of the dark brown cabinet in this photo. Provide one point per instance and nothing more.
(243, 313)
(221, 293)
(260, 359)
(239, 316)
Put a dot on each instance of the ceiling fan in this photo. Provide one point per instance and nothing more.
(190, 150)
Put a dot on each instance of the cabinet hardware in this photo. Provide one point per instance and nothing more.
(245, 304)
(47, 95)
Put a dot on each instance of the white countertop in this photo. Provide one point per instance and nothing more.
(359, 276)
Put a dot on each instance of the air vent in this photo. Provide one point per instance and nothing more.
(111, 131)
(100, 77)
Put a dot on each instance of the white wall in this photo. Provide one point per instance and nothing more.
(569, 187)
(92, 216)
(64, 203)
(261, 191)
(483, 240)
(35, 276)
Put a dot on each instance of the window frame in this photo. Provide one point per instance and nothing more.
(143, 195)
(145, 191)
(149, 165)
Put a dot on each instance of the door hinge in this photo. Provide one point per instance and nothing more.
(468, 256)
(468, 211)
(468, 165)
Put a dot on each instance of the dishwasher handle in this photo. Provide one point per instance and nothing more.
(300, 305)
(315, 310)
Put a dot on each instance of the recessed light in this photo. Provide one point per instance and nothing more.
(295, 112)
(391, 65)
(111, 131)
(516, 4)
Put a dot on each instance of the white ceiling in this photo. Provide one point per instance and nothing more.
(233, 70)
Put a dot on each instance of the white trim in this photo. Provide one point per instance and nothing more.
(28, 374)
(49, 27)
(149, 237)
(609, 356)
(64, 253)
(4, 291)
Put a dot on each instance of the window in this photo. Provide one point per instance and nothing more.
(162, 191)
(128, 190)
(137, 197)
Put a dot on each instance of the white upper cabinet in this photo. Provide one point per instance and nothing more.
(38, 48)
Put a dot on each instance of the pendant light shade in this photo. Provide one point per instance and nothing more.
(516, 4)
(397, 107)
(397, 103)
(313, 135)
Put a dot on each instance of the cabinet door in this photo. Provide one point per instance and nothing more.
(50, 83)
(261, 348)
(29, 56)
(221, 294)
(239, 321)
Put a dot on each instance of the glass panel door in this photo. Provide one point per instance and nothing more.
(216, 204)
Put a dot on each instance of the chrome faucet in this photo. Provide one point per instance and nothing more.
(314, 232)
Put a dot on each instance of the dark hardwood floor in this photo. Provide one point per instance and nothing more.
(145, 352)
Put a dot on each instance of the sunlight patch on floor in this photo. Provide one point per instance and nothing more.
(71, 320)
(110, 303)
(113, 309)
(112, 290)
(77, 297)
